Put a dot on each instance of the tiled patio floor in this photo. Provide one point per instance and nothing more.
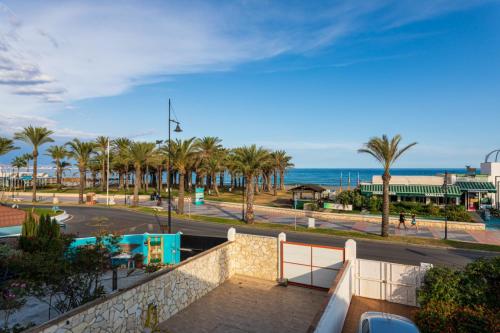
(359, 305)
(245, 304)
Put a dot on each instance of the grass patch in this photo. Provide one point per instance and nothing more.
(332, 232)
(42, 211)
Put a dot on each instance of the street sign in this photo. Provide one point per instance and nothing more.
(199, 198)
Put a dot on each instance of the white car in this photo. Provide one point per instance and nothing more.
(380, 322)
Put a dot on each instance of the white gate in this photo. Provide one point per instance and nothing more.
(310, 265)
(388, 281)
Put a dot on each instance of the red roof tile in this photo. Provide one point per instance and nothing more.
(10, 216)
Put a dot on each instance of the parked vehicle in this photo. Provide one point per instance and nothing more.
(380, 322)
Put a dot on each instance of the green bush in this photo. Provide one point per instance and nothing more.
(461, 301)
(30, 226)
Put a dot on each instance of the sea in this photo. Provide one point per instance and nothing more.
(337, 176)
(329, 177)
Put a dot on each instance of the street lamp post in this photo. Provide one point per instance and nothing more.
(177, 130)
(445, 187)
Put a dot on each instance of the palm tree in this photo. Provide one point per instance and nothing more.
(18, 162)
(183, 152)
(27, 157)
(207, 146)
(140, 153)
(101, 145)
(35, 136)
(250, 161)
(6, 145)
(213, 165)
(283, 164)
(386, 151)
(81, 152)
(58, 154)
(122, 159)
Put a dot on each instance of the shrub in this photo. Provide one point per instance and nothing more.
(461, 301)
(440, 284)
(30, 226)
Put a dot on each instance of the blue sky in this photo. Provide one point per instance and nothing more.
(317, 80)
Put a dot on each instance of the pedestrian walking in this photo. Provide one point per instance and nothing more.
(402, 220)
(414, 221)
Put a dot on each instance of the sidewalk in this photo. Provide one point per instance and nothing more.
(212, 209)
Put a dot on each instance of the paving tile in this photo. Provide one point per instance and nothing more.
(248, 305)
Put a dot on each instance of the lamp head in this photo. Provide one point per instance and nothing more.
(177, 128)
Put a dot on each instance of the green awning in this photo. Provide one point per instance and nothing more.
(476, 187)
(411, 190)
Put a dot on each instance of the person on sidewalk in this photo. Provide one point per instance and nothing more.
(401, 220)
(414, 221)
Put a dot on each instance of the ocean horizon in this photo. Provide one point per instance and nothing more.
(336, 176)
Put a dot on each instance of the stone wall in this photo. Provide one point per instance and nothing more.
(173, 289)
(255, 256)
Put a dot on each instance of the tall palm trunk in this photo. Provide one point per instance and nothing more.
(275, 187)
(35, 172)
(282, 180)
(214, 184)
(103, 175)
(82, 184)
(249, 215)
(221, 179)
(386, 178)
(120, 180)
(233, 181)
(180, 204)
(137, 185)
(127, 178)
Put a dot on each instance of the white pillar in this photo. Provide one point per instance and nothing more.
(350, 255)
(281, 239)
(350, 250)
(231, 234)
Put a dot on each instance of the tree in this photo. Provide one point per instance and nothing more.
(19, 162)
(250, 160)
(101, 146)
(82, 153)
(6, 145)
(122, 160)
(35, 136)
(282, 163)
(207, 147)
(27, 157)
(140, 153)
(387, 152)
(183, 152)
(213, 165)
(58, 154)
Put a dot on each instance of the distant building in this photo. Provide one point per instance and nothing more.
(473, 190)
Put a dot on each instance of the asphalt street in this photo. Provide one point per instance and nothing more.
(86, 221)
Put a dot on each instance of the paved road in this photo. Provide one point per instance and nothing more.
(83, 223)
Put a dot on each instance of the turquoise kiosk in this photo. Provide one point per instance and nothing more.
(155, 248)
